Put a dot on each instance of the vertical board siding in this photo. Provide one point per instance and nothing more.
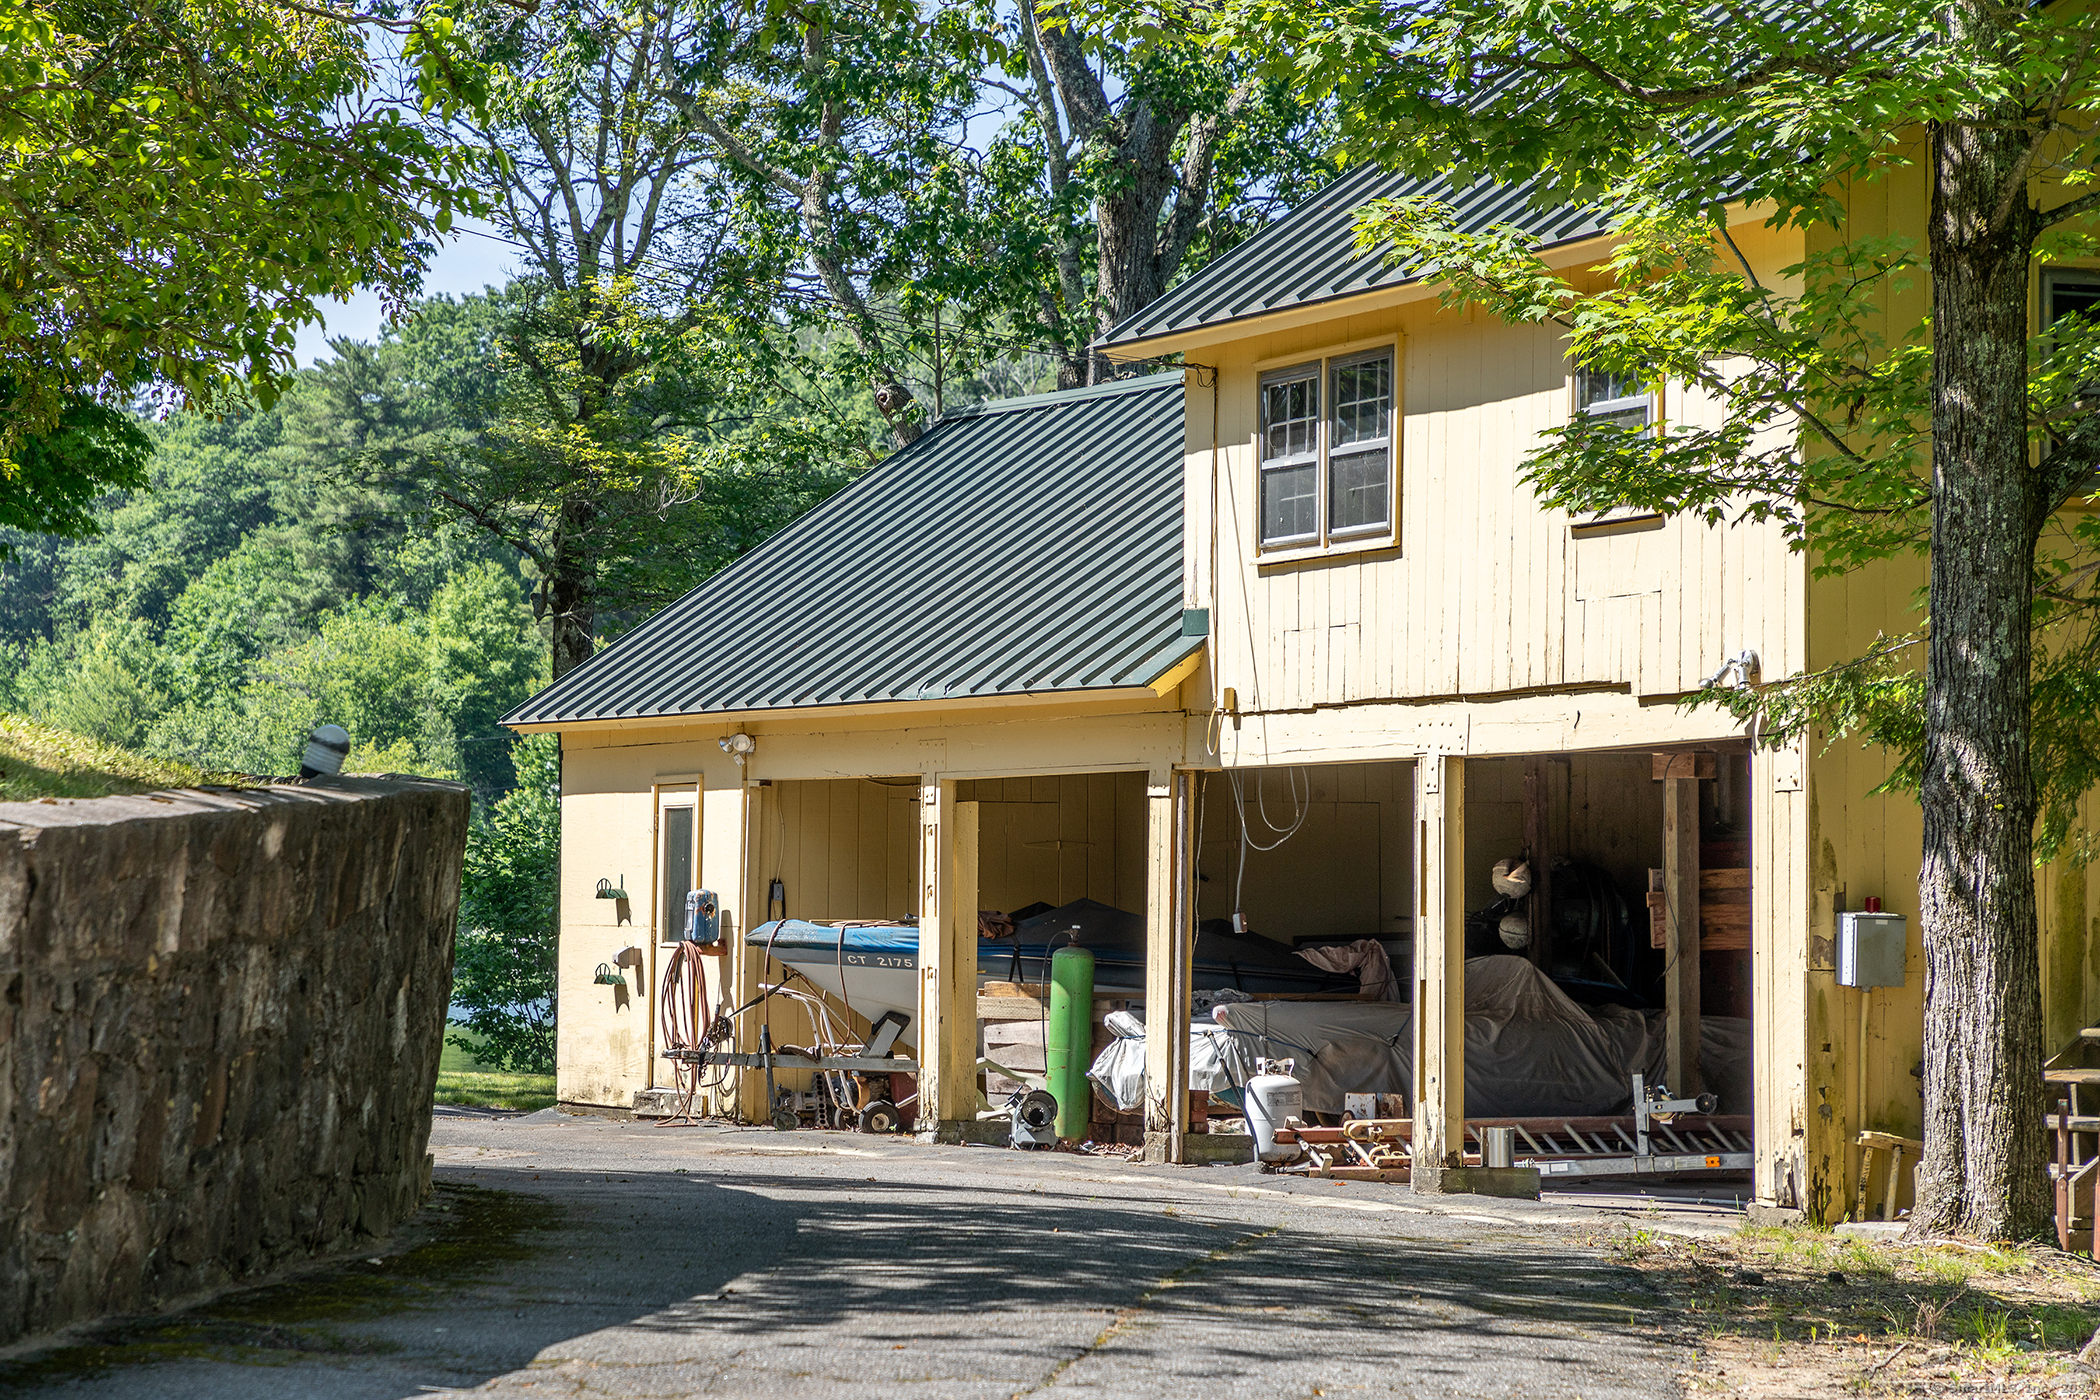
(1484, 592)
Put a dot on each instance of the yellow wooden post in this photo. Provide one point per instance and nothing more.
(1440, 969)
(1681, 956)
(727, 816)
(947, 1022)
(1169, 950)
(961, 1046)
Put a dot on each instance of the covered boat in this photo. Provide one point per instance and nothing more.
(873, 965)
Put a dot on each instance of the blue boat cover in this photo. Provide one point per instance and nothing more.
(803, 938)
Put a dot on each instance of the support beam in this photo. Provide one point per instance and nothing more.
(1440, 969)
(728, 816)
(946, 1027)
(1170, 941)
(1538, 909)
(1681, 953)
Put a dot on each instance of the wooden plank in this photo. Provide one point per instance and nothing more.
(1039, 992)
(1737, 878)
(1169, 940)
(1538, 909)
(1725, 919)
(2079, 1077)
(1681, 970)
(946, 1026)
(1696, 764)
(1440, 968)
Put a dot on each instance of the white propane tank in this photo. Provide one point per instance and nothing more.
(1272, 1100)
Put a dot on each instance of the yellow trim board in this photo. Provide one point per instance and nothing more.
(1168, 682)
(1179, 672)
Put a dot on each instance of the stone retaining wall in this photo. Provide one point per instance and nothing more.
(220, 1019)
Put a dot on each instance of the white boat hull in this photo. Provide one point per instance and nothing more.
(868, 990)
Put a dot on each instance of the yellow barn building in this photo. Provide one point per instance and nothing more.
(1279, 634)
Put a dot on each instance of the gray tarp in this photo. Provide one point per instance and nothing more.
(1530, 1050)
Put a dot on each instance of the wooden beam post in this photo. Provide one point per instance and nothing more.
(729, 813)
(947, 1020)
(1440, 969)
(1538, 909)
(1681, 891)
(1170, 940)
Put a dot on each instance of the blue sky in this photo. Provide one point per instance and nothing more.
(465, 264)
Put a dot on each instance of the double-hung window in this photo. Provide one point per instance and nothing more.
(1327, 433)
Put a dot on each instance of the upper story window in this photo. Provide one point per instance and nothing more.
(1327, 451)
(1616, 399)
(2069, 291)
(1628, 404)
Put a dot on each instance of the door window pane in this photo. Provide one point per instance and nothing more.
(1359, 490)
(677, 866)
(1290, 502)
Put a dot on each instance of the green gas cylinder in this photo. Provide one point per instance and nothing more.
(1070, 1036)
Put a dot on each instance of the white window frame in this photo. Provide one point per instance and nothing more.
(1267, 466)
(1648, 399)
(1642, 398)
(1324, 372)
(670, 800)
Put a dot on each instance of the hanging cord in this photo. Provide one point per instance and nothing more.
(682, 1015)
(771, 938)
(1303, 804)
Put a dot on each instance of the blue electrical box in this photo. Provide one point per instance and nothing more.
(1871, 949)
(703, 918)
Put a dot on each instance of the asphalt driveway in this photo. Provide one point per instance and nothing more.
(585, 1256)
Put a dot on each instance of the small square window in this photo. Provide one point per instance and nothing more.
(1619, 400)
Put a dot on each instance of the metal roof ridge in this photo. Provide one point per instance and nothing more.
(1055, 396)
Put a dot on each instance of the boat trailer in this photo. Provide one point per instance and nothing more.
(1663, 1136)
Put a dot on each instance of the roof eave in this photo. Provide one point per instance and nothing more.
(1132, 694)
(1566, 253)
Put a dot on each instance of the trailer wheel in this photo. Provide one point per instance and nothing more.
(880, 1116)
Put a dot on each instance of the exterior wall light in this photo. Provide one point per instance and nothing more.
(1738, 672)
(737, 746)
(326, 748)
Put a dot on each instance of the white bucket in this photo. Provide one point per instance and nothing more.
(1272, 1100)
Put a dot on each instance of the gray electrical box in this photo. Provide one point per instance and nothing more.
(1871, 950)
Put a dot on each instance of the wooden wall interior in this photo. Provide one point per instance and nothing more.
(1347, 873)
(1054, 838)
(1606, 810)
(847, 848)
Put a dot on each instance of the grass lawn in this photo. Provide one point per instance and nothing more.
(37, 760)
(1797, 1314)
(465, 1081)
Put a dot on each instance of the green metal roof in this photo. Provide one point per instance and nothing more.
(1026, 547)
(1310, 255)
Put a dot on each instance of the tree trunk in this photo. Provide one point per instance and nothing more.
(1984, 1167)
(570, 589)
